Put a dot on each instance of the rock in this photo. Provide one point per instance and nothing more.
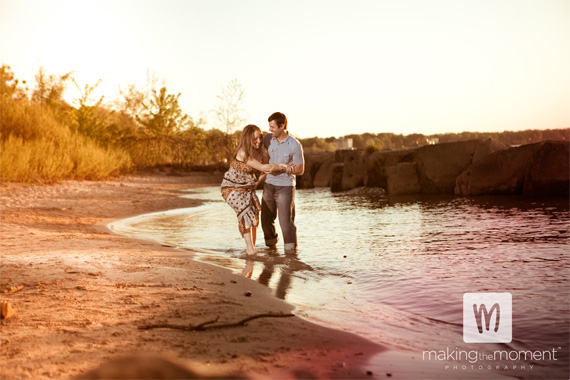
(336, 177)
(313, 162)
(147, 367)
(7, 310)
(549, 171)
(403, 179)
(340, 154)
(324, 174)
(487, 147)
(464, 167)
(376, 163)
(354, 169)
(501, 172)
(439, 165)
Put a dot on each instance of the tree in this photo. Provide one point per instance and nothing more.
(49, 88)
(157, 111)
(229, 113)
(163, 115)
(9, 86)
(414, 140)
(87, 120)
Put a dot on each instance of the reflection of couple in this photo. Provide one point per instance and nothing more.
(279, 158)
(284, 281)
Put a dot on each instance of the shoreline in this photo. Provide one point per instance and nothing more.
(392, 361)
(85, 291)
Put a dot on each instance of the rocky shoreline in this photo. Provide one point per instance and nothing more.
(473, 167)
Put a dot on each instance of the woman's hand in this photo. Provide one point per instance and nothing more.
(260, 180)
(276, 169)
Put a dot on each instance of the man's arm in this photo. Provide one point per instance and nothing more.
(288, 169)
(295, 169)
(298, 168)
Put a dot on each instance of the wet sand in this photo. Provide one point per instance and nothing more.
(80, 294)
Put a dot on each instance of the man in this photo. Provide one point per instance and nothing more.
(279, 191)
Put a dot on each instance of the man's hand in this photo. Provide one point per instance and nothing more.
(277, 169)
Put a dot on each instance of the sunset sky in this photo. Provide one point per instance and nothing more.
(334, 67)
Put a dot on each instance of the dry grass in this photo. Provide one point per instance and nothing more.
(38, 147)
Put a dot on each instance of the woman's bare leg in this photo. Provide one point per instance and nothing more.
(249, 245)
(253, 235)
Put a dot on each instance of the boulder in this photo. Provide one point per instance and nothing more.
(487, 147)
(403, 179)
(439, 165)
(340, 155)
(7, 311)
(376, 163)
(548, 173)
(354, 169)
(313, 162)
(501, 172)
(323, 176)
(336, 177)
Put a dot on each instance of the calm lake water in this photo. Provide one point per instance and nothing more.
(395, 269)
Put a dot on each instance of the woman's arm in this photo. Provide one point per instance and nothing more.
(265, 168)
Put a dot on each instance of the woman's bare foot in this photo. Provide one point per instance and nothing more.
(250, 251)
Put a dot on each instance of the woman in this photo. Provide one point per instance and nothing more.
(239, 184)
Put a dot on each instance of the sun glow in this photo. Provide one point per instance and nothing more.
(334, 67)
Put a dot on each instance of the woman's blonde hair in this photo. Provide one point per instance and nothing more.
(246, 145)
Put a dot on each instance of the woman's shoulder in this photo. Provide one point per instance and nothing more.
(240, 155)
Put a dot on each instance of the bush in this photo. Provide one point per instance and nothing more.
(37, 147)
(30, 121)
(47, 161)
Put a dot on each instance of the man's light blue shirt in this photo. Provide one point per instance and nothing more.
(288, 152)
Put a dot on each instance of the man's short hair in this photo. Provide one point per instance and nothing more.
(279, 118)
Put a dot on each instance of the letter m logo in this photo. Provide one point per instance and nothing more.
(478, 312)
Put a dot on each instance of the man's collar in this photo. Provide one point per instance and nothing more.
(281, 142)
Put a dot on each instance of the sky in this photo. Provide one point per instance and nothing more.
(334, 67)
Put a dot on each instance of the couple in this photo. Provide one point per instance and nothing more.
(279, 158)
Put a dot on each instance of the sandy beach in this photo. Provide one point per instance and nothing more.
(79, 294)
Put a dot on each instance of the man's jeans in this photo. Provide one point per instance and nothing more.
(279, 200)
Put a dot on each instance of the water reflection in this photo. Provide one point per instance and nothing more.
(248, 269)
(270, 266)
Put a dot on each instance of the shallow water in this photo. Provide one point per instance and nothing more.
(395, 269)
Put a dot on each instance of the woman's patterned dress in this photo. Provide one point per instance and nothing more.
(238, 190)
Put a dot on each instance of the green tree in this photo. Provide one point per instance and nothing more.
(163, 116)
(158, 112)
(87, 120)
